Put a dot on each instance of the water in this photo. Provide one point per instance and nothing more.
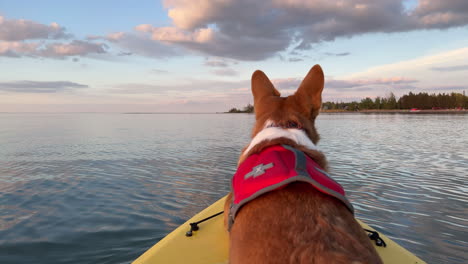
(103, 188)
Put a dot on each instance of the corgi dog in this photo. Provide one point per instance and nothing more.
(302, 216)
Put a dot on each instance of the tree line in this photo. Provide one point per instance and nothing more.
(247, 109)
(407, 101)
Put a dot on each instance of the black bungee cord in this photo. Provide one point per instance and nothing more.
(373, 235)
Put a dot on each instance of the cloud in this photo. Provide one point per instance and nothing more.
(420, 67)
(216, 63)
(446, 88)
(216, 43)
(158, 71)
(124, 53)
(21, 29)
(295, 59)
(39, 86)
(441, 14)
(50, 50)
(226, 72)
(451, 68)
(186, 86)
(449, 63)
(17, 49)
(342, 54)
(74, 48)
(172, 34)
(340, 84)
(256, 30)
(291, 84)
(139, 44)
(287, 83)
(20, 37)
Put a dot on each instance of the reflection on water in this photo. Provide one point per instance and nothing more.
(102, 188)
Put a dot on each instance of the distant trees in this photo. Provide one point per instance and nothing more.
(367, 103)
(407, 101)
(247, 109)
(388, 102)
(429, 101)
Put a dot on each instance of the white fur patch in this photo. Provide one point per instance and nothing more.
(269, 133)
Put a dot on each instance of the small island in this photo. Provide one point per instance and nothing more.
(247, 109)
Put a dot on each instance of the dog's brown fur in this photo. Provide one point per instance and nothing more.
(295, 224)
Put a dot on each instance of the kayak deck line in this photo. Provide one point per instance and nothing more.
(212, 246)
(373, 235)
(194, 225)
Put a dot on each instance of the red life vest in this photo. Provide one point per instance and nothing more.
(275, 167)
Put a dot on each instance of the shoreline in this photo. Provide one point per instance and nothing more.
(396, 111)
(381, 111)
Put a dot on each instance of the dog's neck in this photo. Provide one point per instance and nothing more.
(272, 132)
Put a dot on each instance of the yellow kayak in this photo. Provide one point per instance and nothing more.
(209, 245)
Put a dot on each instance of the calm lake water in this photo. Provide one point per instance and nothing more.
(103, 188)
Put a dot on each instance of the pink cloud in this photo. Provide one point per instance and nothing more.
(21, 29)
(74, 48)
(51, 50)
(20, 37)
(140, 44)
(226, 72)
(293, 83)
(173, 34)
(13, 48)
(234, 28)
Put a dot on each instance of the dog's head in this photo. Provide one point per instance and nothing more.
(298, 110)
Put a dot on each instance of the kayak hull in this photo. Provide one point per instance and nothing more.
(209, 245)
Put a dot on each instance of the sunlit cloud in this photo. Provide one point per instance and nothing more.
(158, 71)
(216, 63)
(175, 35)
(341, 54)
(184, 86)
(425, 63)
(343, 84)
(50, 50)
(74, 48)
(451, 68)
(294, 59)
(39, 86)
(226, 72)
(446, 88)
(233, 28)
(17, 49)
(20, 37)
(22, 29)
(139, 44)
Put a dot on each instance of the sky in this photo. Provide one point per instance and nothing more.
(198, 56)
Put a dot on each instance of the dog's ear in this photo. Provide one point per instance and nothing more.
(309, 93)
(262, 87)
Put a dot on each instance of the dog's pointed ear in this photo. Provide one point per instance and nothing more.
(262, 87)
(309, 93)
